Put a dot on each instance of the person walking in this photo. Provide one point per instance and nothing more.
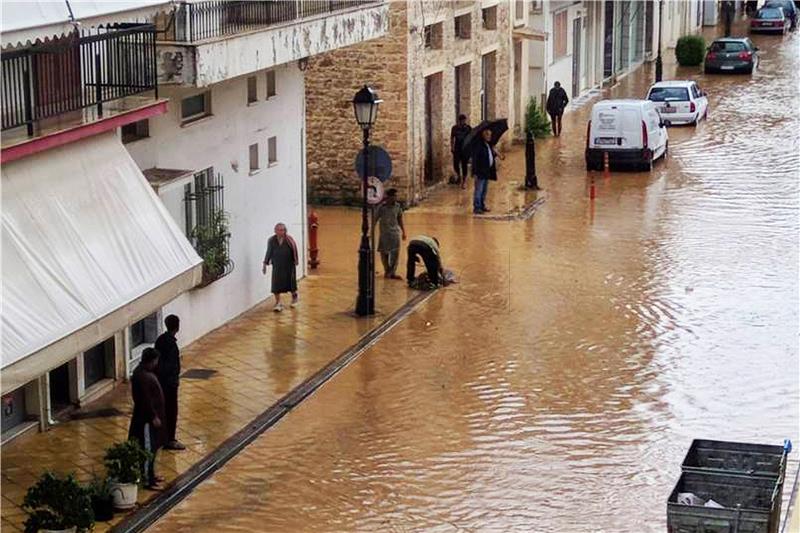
(282, 255)
(389, 217)
(458, 133)
(484, 168)
(427, 249)
(169, 375)
(556, 102)
(148, 413)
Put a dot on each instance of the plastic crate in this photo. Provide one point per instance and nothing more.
(751, 504)
(735, 458)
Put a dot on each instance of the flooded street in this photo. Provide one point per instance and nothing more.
(557, 387)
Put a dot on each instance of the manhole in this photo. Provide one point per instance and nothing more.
(97, 413)
(198, 373)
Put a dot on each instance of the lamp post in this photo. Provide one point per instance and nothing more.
(659, 65)
(365, 105)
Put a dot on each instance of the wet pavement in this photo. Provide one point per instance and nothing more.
(557, 387)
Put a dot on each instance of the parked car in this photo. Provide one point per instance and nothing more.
(789, 9)
(731, 54)
(679, 101)
(629, 131)
(770, 20)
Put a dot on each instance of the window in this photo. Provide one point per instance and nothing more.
(463, 26)
(490, 18)
(209, 231)
(434, 34)
(271, 91)
(254, 157)
(135, 131)
(196, 107)
(144, 331)
(272, 150)
(252, 89)
(671, 94)
(519, 11)
(559, 35)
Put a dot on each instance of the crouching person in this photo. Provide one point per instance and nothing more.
(427, 249)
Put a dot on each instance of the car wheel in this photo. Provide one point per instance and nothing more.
(694, 122)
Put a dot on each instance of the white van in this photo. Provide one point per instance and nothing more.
(630, 131)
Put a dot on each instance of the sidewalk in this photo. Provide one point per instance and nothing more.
(254, 360)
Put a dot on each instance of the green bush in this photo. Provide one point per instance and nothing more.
(124, 461)
(536, 120)
(690, 50)
(56, 502)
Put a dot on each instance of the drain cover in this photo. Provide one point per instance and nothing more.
(198, 373)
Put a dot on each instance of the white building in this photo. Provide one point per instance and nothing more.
(109, 207)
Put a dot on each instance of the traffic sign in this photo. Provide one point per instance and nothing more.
(375, 191)
(380, 164)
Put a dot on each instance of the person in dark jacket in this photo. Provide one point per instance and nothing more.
(458, 133)
(556, 102)
(148, 412)
(484, 168)
(282, 255)
(169, 375)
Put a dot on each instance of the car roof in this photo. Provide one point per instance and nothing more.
(621, 101)
(673, 83)
(731, 40)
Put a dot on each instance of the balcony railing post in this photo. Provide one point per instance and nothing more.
(154, 50)
(98, 90)
(27, 86)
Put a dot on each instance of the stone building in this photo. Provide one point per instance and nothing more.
(439, 59)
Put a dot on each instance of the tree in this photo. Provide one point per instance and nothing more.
(536, 120)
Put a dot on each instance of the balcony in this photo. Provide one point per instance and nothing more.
(60, 87)
(206, 42)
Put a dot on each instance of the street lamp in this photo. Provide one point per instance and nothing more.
(659, 65)
(365, 105)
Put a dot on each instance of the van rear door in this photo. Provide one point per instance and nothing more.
(631, 128)
(606, 128)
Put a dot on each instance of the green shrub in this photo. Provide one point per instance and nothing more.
(56, 502)
(536, 120)
(690, 50)
(124, 461)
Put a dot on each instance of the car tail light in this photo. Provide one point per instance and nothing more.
(692, 108)
(644, 135)
(711, 55)
(588, 132)
(745, 55)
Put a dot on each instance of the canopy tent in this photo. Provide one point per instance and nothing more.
(88, 248)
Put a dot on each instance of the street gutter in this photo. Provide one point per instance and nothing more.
(183, 486)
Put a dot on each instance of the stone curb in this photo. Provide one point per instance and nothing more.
(182, 487)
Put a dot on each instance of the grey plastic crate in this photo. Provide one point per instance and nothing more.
(752, 504)
(735, 458)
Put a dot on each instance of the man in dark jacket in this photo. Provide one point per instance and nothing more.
(458, 133)
(484, 168)
(169, 372)
(556, 102)
(148, 412)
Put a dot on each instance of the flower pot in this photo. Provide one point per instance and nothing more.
(72, 529)
(124, 495)
(103, 508)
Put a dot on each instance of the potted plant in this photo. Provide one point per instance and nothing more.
(211, 243)
(102, 498)
(124, 463)
(57, 504)
(536, 121)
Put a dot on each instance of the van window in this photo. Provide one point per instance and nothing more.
(668, 94)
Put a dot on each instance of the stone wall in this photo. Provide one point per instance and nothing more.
(333, 137)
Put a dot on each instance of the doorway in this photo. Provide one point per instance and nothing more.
(518, 96)
(608, 41)
(433, 128)
(98, 362)
(648, 28)
(59, 388)
(463, 87)
(576, 57)
(488, 85)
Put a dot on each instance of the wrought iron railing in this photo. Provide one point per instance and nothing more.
(77, 71)
(209, 231)
(210, 19)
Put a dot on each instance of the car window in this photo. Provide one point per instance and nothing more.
(727, 46)
(770, 13)
(668, 94)
(695, 92)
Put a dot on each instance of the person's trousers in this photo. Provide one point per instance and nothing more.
(149, 444)
(555, 119)
(479, 198)
(170, 413)
(431, 260)
(389, 260)
(460, 165)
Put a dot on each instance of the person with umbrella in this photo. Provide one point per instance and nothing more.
(481, 141)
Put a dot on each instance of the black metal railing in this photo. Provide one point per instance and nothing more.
(197, 21)
(209, 231)
(76, 72)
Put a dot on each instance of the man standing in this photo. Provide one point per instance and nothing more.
(169, 372)
(484, 168)
(427, 249)
(556, 102)
(148, 412)
(390, 221)
(458, 133)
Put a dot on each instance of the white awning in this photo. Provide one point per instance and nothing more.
(87, 249)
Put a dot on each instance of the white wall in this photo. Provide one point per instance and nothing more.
(255, 203)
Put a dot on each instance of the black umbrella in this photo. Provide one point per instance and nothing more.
(498, 128)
